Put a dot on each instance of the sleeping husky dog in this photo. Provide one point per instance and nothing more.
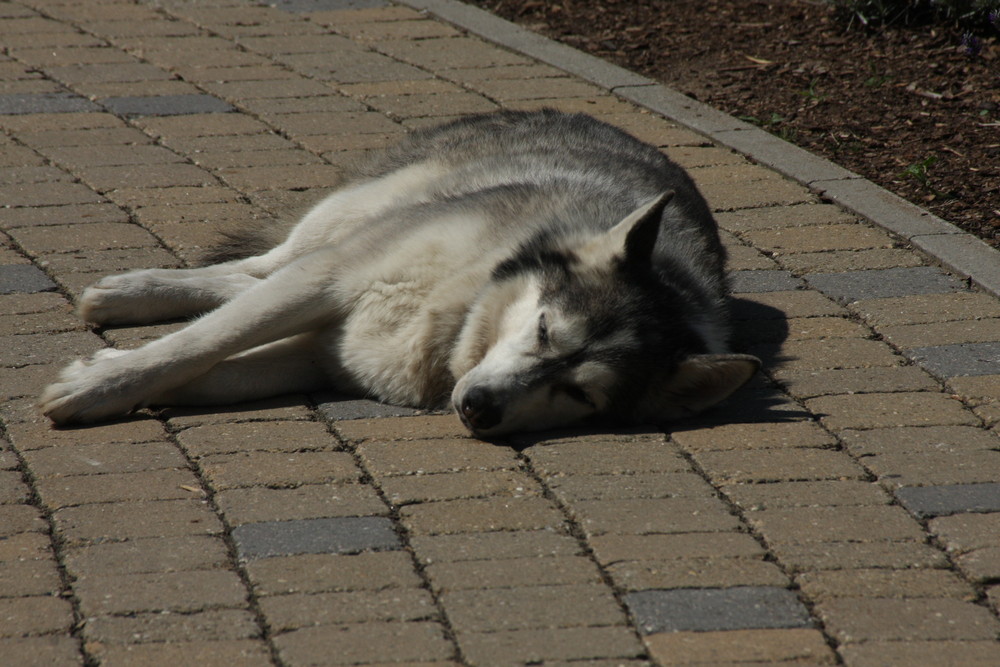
(531, 269)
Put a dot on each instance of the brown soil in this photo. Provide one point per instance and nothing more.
(906, 107)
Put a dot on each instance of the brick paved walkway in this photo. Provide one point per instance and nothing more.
(845, 509)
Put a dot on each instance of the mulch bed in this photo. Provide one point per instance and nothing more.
(909, 108)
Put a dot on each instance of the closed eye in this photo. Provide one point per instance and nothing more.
(577, 394)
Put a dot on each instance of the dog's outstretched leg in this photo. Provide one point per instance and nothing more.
(298, 298)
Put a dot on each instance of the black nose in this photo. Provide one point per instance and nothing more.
(481, 409)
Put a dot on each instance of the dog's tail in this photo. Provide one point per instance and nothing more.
(247, 240)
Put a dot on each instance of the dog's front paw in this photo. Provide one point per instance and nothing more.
(93, 389)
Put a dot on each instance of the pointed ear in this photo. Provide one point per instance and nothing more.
(633, 238)
(636, 233)
(700, 381)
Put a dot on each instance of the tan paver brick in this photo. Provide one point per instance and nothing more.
(610, 549)
(918, 439)
(816, 238)
(290, 612)
(979, 387)
(99, 459)
(837, 261)
(927, 468)
(695, 573)
(403, 428)
(228, 438)
(836, 353)
(168, 484)
(25, 546)
(69, 238)
(595, 455)
(310, 501)
(773, 465)
(929, 653)
(811, 384)
(884, 583)
(466, 484)
(854, 620)
(166, 591)
(809, 556)
(226, 471)
(34, 616)
(103, 522)
(279, 408)
(869, 411)
(833, 524)
(837, 492)
(19, 579)
(943, 333)
(477, 515)
(375, 641)
(571, 488)
(166, 554)
(507, 572)
(248, 653)
(208, 625)
(962, 533)
(760, 435)
(796, 304)
(42, 651)
(322, 573)
(794, 646)
(927, 308)
(495, 545)
(661, 515)
(520, 608)
(981, 566)
(399, 457)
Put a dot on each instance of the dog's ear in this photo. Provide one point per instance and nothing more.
(632, 239)
(699, 382)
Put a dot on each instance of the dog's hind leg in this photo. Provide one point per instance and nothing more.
(296, 299)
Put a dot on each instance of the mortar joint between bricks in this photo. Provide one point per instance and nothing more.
(576, 532)
(231, 550)
(404, 539)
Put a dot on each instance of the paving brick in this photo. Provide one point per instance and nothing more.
(918, 439)
(25, 546)
(763, 435)
(606, 457)
(942, 333)
(929, 501)
(167, 591)
(660, 515)
(310, 501)
(280, 408)
(858, 285)
(979, 388)
(855, 620)
(35, 616)
(135, 520)
(408, 428)
(847, 261)
(780, 305)
(165, 105)
(99, 459)
(932, 468)
(640, 485)
(534, 646)
(30, 577)
(834, 524)
(816, 238)
(407, 489)
(59, 492)
(374, 641)
(251, 653)
(519, 608)
(965, 532)
(772, 465)
(207, 625)
(95, 236)
(706, 610)
(42, 651)
(763, 281)
(60, 215)
(433, 456)
(609, 549)
(981, 566)
(869, 654)
(805, 384)
(795, 646)
(807, 557)
(339, 535)
(837, 492)
(705, 573)
(242, 469)
(804, 214)
(290, 612)
(506, 572)
(24, 279)
(495, 545)
(871, 411)
(477, 515)
(884, 583)
(835, 353)
(927, 308)
(322, 573)
(167, 554)
(228, 438)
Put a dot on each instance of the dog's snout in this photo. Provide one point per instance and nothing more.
(480, 408)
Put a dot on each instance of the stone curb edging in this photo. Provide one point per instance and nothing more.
(958, 251)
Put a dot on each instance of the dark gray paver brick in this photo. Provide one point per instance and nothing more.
(885, 283)
(24, 103)
(763, 281)
(362, 409)
(24, 279)
(341, 535)
(166, 105)
(948, 361)
(928, 501)
(707, 609)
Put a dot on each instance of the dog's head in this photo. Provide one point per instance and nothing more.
(567, 332)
